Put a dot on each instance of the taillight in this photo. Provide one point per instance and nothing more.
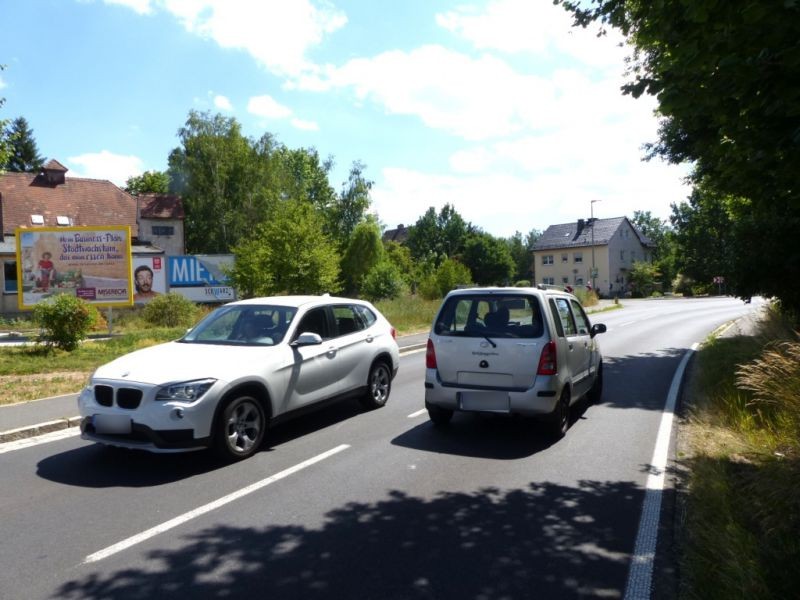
(430, 356)
(548, 363)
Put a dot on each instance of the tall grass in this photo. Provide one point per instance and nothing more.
(743, 494)
(409, 314)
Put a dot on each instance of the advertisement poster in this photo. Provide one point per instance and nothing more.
(92, 263)
(149, 278)
(201, 278)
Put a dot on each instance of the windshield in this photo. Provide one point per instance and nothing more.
(491, 315)
(243, 325)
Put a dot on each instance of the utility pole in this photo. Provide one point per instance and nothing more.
(594, 269)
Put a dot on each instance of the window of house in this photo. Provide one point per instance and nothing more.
(565, 280)
(62, 220)
(578, 257)
(549, 280)
(547, 259)
(162, 230)
(565, 257)
(622, 255)
(37, 219)
(579, 281)
(10, 276)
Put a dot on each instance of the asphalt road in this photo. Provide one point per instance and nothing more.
(354, 504)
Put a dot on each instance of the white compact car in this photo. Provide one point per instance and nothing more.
(525, 351)
(245, 365)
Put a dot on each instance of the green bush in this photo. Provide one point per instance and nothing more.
(383, 281)
(170, 310)
(523, 283)
(448, 276)
(64, 321)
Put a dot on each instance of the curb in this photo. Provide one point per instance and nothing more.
(13, 435)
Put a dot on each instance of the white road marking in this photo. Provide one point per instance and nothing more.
(418, 413)
(640, 576)
(40, 439)
(172, 523)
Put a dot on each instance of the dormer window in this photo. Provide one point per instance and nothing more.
(37, 219)
(62, 220)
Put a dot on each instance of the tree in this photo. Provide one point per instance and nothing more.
(383, 281)
(725, 76)
(5, 145)
(351, 206)
(436, 237)
(288, 254)
(364, 252)
(644, 278)
(23, 154)
(705, 235)
(149, 182)
(488, 259)
(228, 182)
(658, 232)
(521, 251)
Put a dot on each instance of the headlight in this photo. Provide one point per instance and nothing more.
(186, 391)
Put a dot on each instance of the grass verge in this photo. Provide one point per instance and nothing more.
(742, 453)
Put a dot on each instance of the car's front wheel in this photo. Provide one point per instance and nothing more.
(240, 428)
(379, 386)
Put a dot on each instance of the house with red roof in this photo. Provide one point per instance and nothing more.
(51, 199)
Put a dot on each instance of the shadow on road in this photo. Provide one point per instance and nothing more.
(545, 541)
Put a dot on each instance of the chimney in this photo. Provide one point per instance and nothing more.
(581, 224)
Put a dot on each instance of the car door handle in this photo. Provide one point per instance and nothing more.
(370, 339)
(331, 351)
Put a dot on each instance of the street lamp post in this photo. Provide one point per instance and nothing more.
(594, 271)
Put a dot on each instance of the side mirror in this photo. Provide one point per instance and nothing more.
(597, 328)
(307, 339)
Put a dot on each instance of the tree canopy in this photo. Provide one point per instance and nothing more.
(149, 182)
(23, 153)
(725, 76)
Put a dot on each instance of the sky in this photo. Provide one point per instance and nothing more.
(498, 107)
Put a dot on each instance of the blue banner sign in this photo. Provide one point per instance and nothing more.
(193, 271)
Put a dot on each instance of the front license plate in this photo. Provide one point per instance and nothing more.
(111, 424)
(485, 401)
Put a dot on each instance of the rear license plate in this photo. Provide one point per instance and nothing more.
(485, 401)
(118, 424)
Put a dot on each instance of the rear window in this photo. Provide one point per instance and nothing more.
(481, 315)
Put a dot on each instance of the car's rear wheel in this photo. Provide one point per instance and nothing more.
(240, 428)
(596, 391)
(559, 420)
(438, 415)
(379, 386)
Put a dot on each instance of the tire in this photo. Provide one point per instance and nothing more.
(379, 386)
(240, 429)
(558, 423)
(439, 416)
(596, 391)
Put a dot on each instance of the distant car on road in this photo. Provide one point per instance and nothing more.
(246, 365)
(525, 351)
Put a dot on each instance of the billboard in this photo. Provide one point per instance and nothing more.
(201, 277)
(149, 278)
(92, 263)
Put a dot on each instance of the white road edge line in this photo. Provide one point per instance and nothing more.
(640, 576)
(53, 436)
(418, 413)
(158, 529)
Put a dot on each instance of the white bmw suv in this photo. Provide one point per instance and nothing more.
(246, 365)
(525, 351)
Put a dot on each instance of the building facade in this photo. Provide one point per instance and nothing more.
(590, 252)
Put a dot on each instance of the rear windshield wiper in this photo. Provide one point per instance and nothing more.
(488, 339)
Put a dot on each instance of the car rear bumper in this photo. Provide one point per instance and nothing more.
(536, 401)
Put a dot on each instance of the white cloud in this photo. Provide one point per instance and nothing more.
(142, 7)
(2, 83)
(278, 34)
(105, 165)
(305, 125)
(266, 107)
(522, 26)
(223, 103)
